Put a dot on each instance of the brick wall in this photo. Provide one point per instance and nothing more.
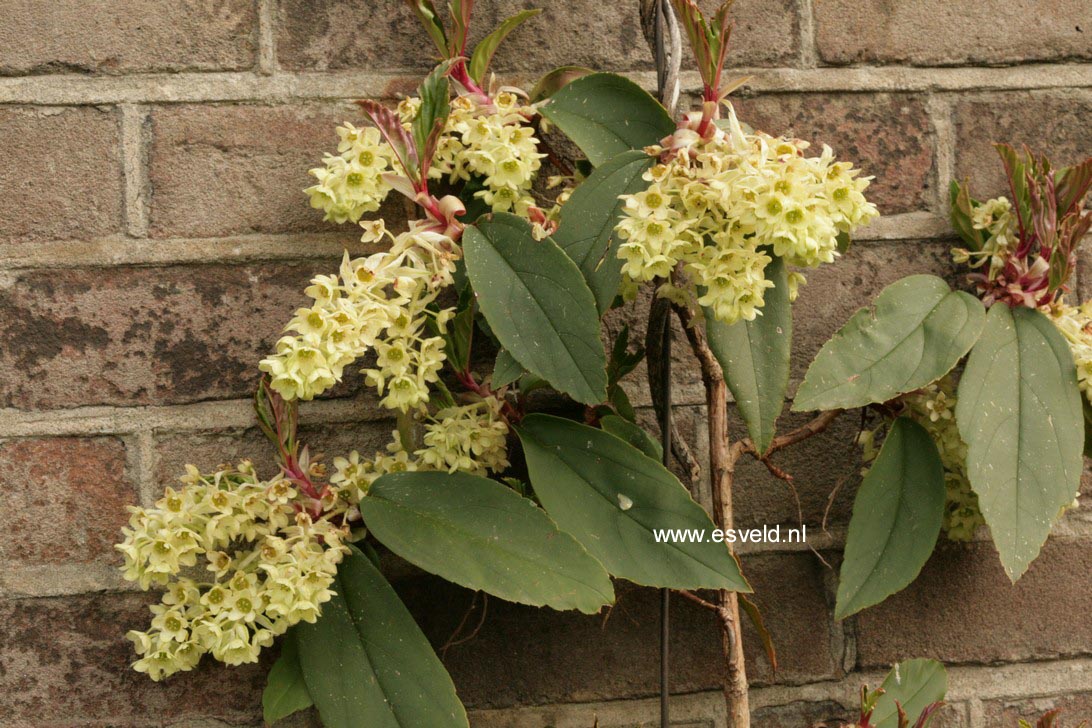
(153, 240)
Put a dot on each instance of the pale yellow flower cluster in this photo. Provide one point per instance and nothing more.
(722, 206)
(379, 302)
(933, 407)
(1075, 324)
(267, 565)
(351, 183)
(353, 476)
(995, 218)
(493, 144)
(470, 438)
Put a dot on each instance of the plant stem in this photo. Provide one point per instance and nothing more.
(721, 472)
(722, 465)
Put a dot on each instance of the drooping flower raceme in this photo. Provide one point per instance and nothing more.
(378, 302)
(723, 205)
(933, 407)
(1075, 324)
(493, 144)
(470, 438)
(241, 563)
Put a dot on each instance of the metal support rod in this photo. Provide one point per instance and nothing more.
(665, 594)
(661, 30)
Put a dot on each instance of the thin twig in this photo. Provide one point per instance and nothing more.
(451, 641)
(697, 600)
(812, 428)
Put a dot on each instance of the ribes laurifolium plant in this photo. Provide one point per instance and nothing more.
(981, 401)
(516, 466)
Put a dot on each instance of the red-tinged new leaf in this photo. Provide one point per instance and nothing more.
(927, 714)
(400, 140)
(1072, 184)
(431, 143)
(1047, 721)
(1015, 169)
(460, 19)
(426, 12)
(483, 52)
(435, 94)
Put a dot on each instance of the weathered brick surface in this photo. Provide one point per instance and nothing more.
(888, 136)
(77, 36)
(328, 35)
(207, 450)
(825, 472)
(62, 499)
(1074, 709)
(237, 169)
(528, 656)
(934, 32)
(204, 168)
(131, 336)
(61, 176)
(1057, 125)
(962, 608)
(64, 662)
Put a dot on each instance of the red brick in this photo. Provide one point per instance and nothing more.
(236, 169)
(129, 336)
(79, 36)
(65, 662)
(207, 450)
(341, 34)
(825, 470)
(63, 500)
(527, 656)
(797, 714)
(1058, 126)
(888, 136)
(61, 177)
(962, 608)
(935, 32)
(1074, 709)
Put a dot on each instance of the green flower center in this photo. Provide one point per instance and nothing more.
(773, 207)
